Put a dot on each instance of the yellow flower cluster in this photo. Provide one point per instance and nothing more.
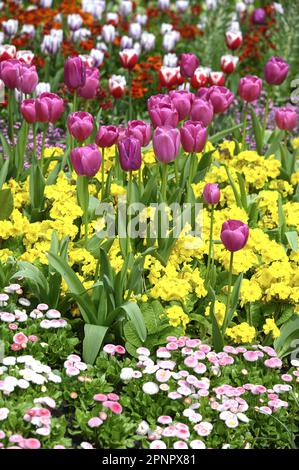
(176, 316)
(271, 327)
(242, 333)
(219, 311)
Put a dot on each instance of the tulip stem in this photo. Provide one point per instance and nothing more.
(191, 176)
(210, 242)
(164, 169)
(230, 276)
(266, 112)
(140, 180)
(129, 200)
(11, 117)
(245, 126)
(83, 200)
(176, 171)
(43, 145)
(130, 95)
(103, 173)
(34, 142)
(74, 101)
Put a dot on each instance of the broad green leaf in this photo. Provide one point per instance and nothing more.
(6, 203)
(3, 172)
(216, 137)
(292, 237)
(133, 313)
(288, 341)
(217, 337)
(233, 302)
(258, 131)
(75, 286)
(93, 338)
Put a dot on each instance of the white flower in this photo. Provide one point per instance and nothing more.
(143, 428)
(150, 388)
(197, 444)
(22, 383)
(157, 444)
(126, 373)
(243, 418)
(54, 378)
(4, 412)
(143, 351)
(9, 361)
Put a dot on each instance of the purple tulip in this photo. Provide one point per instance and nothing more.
(27, 79)
(28, 111)
(276, 70)
(234, 235)
(211, 193)
(202, 110)
(203, 93)
(86, 160)
(74, 72)
(107, 136)
(129, 151)
(48, 107)
(166, 143)
(259, 16)
(193, 136)
(9, 73)
(90, 88)
(80, 125)
(141, 131)
(189, 63)
(286, 118)
(157, 100)
(164, 115)
(220, 97)
(250, 88)
(182, 101)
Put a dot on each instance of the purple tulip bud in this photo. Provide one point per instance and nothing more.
(211, 193)
(276, 70)
(107, 136)
(28, 111)
(203, 93)
(189, 63)
(129, 151)
(28, 78)
(80, 125)
(250, 88)
(259, 16)
(193, 136)
(166, 143)
(9, 73)
(48, 107)
(141, 131)
(286, 118)
(90, 89)
(86, 160)
(164, 115)
(202, 110)
(74, 72)
(234, 235)
(182, 101)
(220, 97)
(157, 100)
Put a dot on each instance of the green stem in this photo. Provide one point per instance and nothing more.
(103, 173)
(34, 142)
(266, 112)
(140, 180)
(11, 117)
(190, 179)
(83, 199)
(130, 95)
(286, 139)
(210, 242)
(129, 199)
(245, 125)
(75, 102)
(176, 171)
(230, 276)
(164, 169)
(43, 145)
